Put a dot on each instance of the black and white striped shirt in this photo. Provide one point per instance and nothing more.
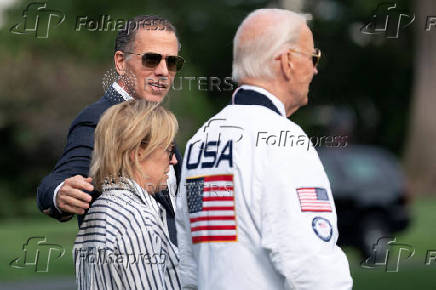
(123, 242)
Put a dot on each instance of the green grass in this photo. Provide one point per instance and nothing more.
(14, 233)
(412, 274)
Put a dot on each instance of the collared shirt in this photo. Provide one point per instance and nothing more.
(123, 242)
(121, 91)
(270, 96)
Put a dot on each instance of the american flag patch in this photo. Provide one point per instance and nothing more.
(314, 199)
(211, 205)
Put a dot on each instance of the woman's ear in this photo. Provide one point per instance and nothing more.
(132, 155)
(140, 153)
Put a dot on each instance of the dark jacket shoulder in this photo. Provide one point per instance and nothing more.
(92, 113)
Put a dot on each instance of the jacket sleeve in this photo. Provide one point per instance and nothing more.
(75, 160)
(296, 251)
(187, 265)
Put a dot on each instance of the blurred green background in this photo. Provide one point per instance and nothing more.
(384, 89)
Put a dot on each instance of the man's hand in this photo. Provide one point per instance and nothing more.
(71, 198)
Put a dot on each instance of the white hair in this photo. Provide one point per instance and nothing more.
(252, 57)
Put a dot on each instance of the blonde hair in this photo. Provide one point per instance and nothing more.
(123, 129)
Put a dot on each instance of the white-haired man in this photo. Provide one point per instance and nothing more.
(255, 210)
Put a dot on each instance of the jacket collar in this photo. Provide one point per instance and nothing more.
(112, 96)
(248, 95)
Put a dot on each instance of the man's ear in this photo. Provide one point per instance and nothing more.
(287, 65)
(120, 62)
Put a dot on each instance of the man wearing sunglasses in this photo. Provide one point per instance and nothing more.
(146, 60)
(265, 218)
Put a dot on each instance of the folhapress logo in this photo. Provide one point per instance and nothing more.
(387, 19)
(37, 19)
(388, 253)
(37, 254)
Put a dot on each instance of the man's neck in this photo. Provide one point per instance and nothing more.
(274, 90)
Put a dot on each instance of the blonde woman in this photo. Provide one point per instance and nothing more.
(123, 242)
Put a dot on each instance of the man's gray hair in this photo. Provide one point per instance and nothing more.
(253, 55)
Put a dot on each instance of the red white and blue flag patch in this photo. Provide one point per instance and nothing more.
(211, 206)
(314, 199)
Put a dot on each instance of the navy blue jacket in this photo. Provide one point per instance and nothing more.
(76, 159)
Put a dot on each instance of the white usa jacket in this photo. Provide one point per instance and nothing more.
(255, 209)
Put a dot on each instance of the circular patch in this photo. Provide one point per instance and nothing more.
(322, 228)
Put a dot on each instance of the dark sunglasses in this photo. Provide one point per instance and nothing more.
(316, 55)
(152, 60)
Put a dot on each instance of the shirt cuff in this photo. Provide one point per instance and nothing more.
(55, 194)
